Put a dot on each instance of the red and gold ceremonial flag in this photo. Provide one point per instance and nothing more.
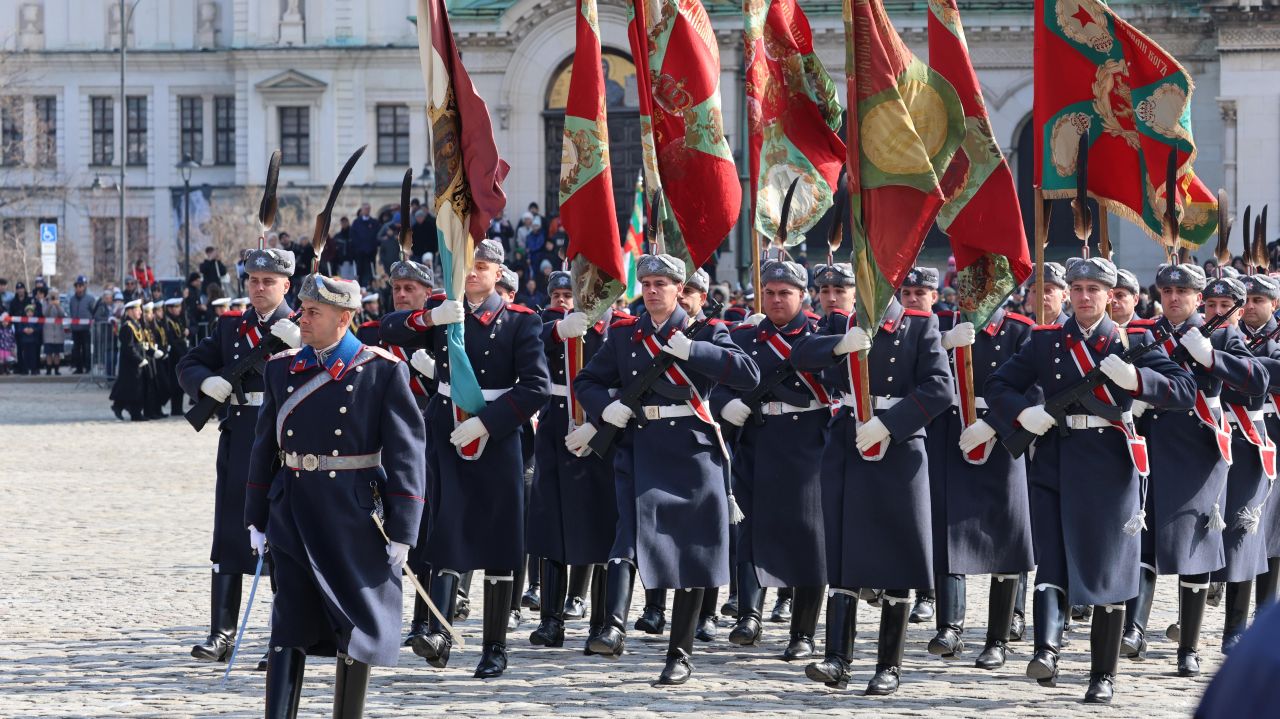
(1097, 74)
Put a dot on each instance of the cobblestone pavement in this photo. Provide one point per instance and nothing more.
(104, 582)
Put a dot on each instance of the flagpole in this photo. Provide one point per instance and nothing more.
(1104, 233)
(755, 271)
(1042, 234)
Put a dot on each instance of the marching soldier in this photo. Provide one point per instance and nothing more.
(1084, 476)
(875, 483)
(156, 391)
(1258, 323)
(127, 393)
(179, 335)
(477, 499)
(198, 373)
(780, 542)
(1055, 291)
(981, 519)
(669, 466)
(572, 507)
(339, 438)
(1253, 466)
(1124, 300)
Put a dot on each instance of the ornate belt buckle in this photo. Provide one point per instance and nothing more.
(1078, 421)
(652, 412)
(310, 462)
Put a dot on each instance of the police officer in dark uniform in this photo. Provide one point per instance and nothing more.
(1258, 323)
(339, 438)
(1085, 486)
(572, 507)
(127, 392)
(1190, 454)
(982, 522)
(476, 466)
(268, 280)
(669, 466)
(875, 483)
(777, 456)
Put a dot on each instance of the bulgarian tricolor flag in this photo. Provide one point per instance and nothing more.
(905, 122)
(469, 174)
(1097, 74)
(586, 182)
(633, 247)
(686, 154)
(981, 214)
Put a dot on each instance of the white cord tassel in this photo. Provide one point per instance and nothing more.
(1136, 523)
(1250, 519)
(735, 512)
(1216, 522)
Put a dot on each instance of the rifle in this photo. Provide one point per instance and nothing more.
(755, 398)
(606, 434)
(1257, 342)
(1081, 392)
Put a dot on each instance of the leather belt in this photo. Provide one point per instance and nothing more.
(878, 402)
(978, 402)
(1092, 421)
(489, 394)
(775, 408)
(666, 411)
(558, 390)
(326, 463)
(251, 399)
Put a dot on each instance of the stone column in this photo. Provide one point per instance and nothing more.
(1227, 107)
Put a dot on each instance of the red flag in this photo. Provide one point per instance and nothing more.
(678, 74)
(586, 181)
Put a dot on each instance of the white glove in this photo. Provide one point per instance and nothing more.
(288, 332)
(576, 441)
(617, 414)
(1036, 420)
(468, 432)
(157, 353)
(1137, 408)
(257, 540)
(736, 412)
(870, 434)
(1199, 347)
(216, 387)
(449, 312)
(976, 435)
(424, 363)
(753, 320)
(397, 554)
(573, 325)
(855, 340)
(1122, 373)
(142, 364)
(678, 345)
(962, 335)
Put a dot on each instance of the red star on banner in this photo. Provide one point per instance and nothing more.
(1083, 16)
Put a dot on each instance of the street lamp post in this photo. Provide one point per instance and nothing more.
(185, 167)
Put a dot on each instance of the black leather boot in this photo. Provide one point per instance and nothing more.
(462, 609)
(597, 606)
(575, 605)
(842, 614)
(806, 604)
(949, 618)
(707, 628)
(894, 612)
(1192, 593)
(555, 586)
(750, 607)
(1018, 626)
(435, 645)
(1000, 601)
(1265, 584)
(532, 598)
(1237, 614)
(497, 608)
(783, 606)
(653, 619)
(1137, 612)
(224, 605)
(350, 685)
(421, 623)
(923, 610)
(685, 609)
(1104, 652)
(612, 638)
(285, 667)
(1049, 620)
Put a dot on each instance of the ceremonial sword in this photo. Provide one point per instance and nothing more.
(244, 622)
